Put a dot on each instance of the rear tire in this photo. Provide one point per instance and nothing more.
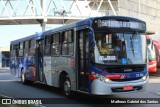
(23, 78)
(67, 87)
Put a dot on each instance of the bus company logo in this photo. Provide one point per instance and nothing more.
(128, 76)
(6, 101)
(127, 70)
(123, 76)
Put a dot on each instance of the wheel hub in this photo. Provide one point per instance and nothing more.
(23, 77)
(67, 87)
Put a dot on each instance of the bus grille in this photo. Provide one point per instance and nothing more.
(125, 70)
(123, 80)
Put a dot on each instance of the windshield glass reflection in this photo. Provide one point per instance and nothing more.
(119, 48)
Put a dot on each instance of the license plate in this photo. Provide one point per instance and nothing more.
(128, 88)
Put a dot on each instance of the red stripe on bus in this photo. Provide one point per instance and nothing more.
(113, 76)
(92, 77)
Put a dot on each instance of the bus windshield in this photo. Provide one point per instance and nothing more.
(119, 48)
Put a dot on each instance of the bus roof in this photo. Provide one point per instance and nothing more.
(23, 39)
(87, 21)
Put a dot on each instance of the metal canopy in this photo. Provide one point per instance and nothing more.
(17, 12)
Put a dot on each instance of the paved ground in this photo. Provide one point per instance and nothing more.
(12, 87)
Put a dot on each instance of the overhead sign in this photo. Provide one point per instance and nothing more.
(120, 24)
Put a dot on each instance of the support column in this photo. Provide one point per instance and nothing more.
(44, 22)
(43, 25)
(0, 58)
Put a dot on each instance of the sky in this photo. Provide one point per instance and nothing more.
(12, 32)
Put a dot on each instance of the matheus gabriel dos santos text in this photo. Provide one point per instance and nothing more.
(21, 101)
(135, 101)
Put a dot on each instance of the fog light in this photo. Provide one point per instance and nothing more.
(106, 80)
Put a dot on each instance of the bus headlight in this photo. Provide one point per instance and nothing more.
(101, 78)
(144, 78)
(107, 80)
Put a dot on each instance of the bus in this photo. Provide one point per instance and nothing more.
(152, 63)
(70, 57)
(157, 51)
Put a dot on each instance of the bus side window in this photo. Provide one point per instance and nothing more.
(32, 47)
(64, 43)
(70, 42)
(55, 47)
(21, 46)
(47, 49)
(26, 48)
(67, 42)
(17, 50)
(11, 50)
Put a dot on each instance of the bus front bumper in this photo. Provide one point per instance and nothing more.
(101, 88)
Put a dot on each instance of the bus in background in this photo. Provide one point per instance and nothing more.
(152, 63)
(157, 50)
(99, 56)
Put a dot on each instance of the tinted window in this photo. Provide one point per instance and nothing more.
(67, 36)
(47, 48)
(32, 47)
(56, 47)
(32, 43)
(21, 45)
(48, 40)
(26, 44)
(55, 38)
(67, 42)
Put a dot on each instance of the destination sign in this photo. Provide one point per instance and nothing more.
(119, 24)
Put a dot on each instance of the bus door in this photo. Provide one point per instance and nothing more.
(82, 61)
(39, 60)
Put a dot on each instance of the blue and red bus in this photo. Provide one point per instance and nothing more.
(157, 51)
(71, 56)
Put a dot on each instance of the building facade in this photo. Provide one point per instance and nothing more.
(147, 10)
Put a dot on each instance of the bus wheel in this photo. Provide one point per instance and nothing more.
(23, 78)
(67, 87)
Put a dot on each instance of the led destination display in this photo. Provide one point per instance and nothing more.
(102, 23)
